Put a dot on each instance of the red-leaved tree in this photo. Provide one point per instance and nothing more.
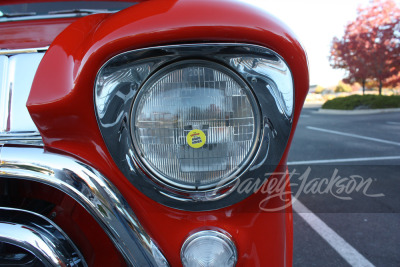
(370, 47)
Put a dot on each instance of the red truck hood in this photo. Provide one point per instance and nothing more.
(33, 33)
(13, 2)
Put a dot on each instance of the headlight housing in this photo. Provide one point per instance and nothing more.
(185, 123)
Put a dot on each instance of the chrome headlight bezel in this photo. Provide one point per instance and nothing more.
(264, 72)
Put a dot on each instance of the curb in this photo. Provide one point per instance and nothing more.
(357, 112)
(313, 104)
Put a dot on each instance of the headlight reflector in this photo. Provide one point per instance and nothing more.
(195, 124)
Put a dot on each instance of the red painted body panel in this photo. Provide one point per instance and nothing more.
(32, 33)
(12, 2)
(61, 105)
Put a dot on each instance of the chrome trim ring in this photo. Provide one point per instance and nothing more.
(90, 189)
(40, 236)
(264, 71)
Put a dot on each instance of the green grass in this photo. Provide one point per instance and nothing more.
(363, 102)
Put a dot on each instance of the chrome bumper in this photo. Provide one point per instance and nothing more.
(40, 236)
(90, 189)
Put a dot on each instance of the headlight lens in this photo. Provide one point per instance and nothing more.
(208, 248)
(195, 124)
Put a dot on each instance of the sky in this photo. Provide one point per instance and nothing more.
(315, 23)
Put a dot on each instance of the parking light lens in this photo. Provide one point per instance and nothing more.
(208, 248)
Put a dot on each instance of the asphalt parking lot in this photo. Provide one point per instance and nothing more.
(357, 221)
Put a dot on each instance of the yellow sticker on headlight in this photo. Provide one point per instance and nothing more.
(196, 138)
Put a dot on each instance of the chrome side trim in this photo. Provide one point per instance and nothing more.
(18, 138)
(49, 16)
(40, 236)
(90, 189)
(9, 52)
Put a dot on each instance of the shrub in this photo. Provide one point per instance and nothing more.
(363, 102)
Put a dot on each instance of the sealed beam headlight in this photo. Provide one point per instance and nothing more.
(195, 124)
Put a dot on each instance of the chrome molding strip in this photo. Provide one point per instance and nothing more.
(24, 137)
(51, 16)
(40, 236)
(90, 189)
(17, 70)
(9, 52)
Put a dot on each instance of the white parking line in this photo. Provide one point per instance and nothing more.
(354, 135)
(391, 122)
(348, 253)
(305, 162)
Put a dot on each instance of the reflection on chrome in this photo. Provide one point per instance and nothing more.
(40, 236)
(90, 189)
(106, 85)
(275, 73)
(9, 52)
(17, 70)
